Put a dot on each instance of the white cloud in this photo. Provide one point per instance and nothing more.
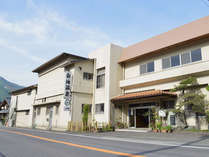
(47, 32)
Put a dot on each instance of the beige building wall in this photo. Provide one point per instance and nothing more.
(165, 79)
(107, 57)
(24, 110)
(163, 76)
(51, 90)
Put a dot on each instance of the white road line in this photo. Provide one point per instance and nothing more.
(160, 143)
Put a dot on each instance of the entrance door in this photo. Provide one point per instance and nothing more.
(50, 117)
(142, 118)
(131, 117)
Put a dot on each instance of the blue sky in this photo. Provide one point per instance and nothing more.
(34, 31)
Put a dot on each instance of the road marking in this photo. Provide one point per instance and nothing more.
(73, 145)
(150, 142)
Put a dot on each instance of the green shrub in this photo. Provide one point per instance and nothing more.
(159, 125)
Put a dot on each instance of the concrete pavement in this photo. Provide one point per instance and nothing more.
(16, 142)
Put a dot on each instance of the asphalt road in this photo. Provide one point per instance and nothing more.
(15, 142)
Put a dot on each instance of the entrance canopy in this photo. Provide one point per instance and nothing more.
(144, 94)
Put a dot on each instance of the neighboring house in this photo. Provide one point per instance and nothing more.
(21, 106)
(64, 86)
(107, 74)
(154, 66)
(4, 111)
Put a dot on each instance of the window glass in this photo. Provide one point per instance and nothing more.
(166, 63)
(99, 108)
(143, 68)
(150, 67)
(87, 76)
(185, 58)
(172, 120)
(175, 60)
(196, 55)
(82, 108)
(100, 78)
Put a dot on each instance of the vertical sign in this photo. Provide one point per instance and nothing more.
(68, 93)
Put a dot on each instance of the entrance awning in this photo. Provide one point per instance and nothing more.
(144, 94)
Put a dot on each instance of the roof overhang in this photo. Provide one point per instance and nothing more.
(24, 90)
(57, 59)
(183, 35)
(144, 94)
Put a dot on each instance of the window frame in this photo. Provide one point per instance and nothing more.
(100, 82)
(90, 108)
(87, 76)
(146, 67)
(100, 110)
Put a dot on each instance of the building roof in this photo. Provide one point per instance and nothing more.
(57, 59)
(24, 90)
(143, 94)
(182, 35)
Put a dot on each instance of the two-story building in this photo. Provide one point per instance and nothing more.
(120, 84)
(65, 84)
(21, 107)
(154, 66)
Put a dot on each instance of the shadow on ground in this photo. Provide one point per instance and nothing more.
(202, 138)
(2, 155)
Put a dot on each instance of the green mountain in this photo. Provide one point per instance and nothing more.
(6, 87)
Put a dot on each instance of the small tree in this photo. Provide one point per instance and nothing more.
(191, 99)
(85, 116)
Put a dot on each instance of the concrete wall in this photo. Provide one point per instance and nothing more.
(23, 102)
(165, 79)
(160, 76)
(107, 57)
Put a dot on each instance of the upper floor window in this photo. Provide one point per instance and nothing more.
(87, 76)
(100, 78)
(146, 68)
(171, 61)
(184, 58)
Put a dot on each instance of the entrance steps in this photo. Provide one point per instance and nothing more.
(135, 130)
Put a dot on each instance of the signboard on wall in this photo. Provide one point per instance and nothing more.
(68, 92)
(162, 113)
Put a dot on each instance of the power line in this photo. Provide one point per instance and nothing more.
(205, 3)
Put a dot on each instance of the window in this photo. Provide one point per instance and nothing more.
(168, 104)
(172, 120)
(29, 93)
(175, 61)
(166, 63)
(99, 108)
(100, 78)
(38, 111)
(146, 68)
(171, 61)
(82, 108)
(193, 56)
(143, 69)
(185, 58)
(87, 76)
(196, 55)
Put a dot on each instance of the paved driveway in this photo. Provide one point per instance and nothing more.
(16, 142)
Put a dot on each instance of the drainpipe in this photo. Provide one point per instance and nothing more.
(94, 89)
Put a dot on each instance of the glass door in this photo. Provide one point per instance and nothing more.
(132, 117)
